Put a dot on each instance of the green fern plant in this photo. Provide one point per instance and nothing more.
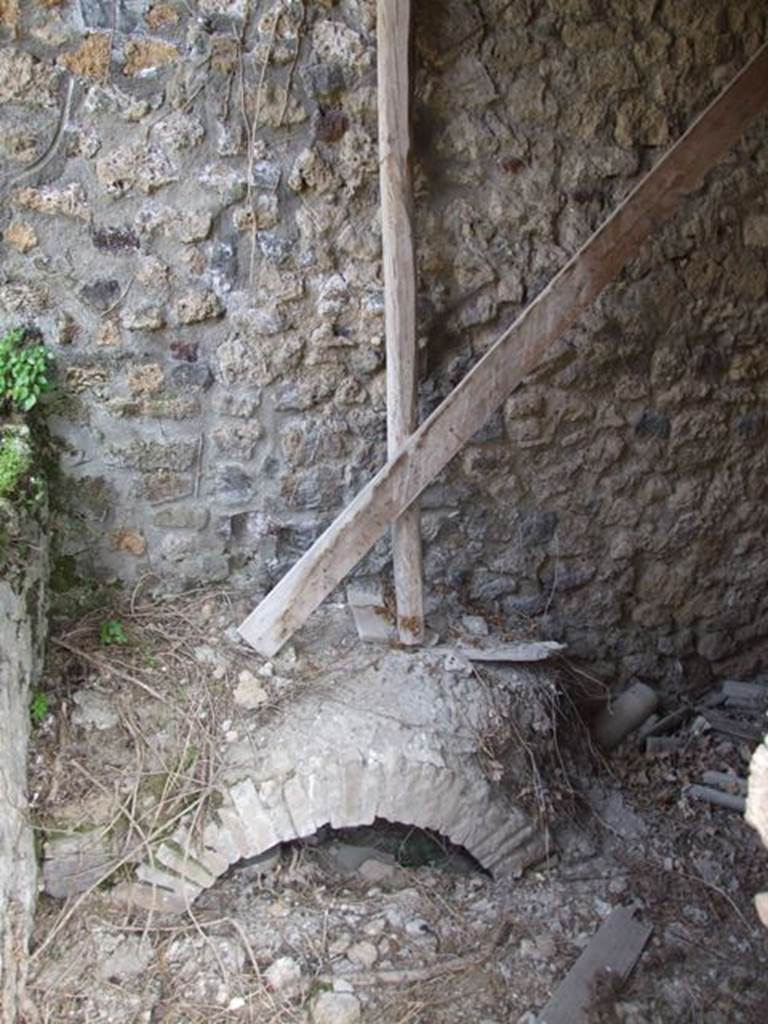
(24, 371)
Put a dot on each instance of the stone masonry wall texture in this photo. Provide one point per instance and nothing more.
(190, 215)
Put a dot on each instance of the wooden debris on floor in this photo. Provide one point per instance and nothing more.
(602, 968)
(373, 621)
(535, 651)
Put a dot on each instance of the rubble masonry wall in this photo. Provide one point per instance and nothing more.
(190, 216)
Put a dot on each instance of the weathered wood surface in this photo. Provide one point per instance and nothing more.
(538, 650)
(515, 355)
(393, 39)
(607, 960)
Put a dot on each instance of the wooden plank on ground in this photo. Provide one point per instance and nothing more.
(538, 650)
(515, 355)
(602, 968)
(393, 40)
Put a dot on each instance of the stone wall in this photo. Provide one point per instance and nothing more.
(192, 221)
(23, 610)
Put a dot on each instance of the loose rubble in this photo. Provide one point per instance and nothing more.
(389, 923)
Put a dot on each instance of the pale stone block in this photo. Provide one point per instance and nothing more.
(256, 818)
(181, 862)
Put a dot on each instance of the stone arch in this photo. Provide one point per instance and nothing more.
(400, 742)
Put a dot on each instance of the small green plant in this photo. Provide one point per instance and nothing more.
(112, 633)
(24, 371)
(38, 707)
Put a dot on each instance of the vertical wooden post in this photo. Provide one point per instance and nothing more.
(394, 30)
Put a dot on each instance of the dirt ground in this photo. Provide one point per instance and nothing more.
(137, 702)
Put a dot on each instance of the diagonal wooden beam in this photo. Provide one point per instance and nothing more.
(393, 37)
(512, 358)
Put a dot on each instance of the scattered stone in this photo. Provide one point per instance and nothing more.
(129, 541)
(19, 298)
(75, 863)
(262, 214)
(164, 485)
(336, 1008)
(363, 953)
(24, 79)
(161, 16)
(19, 146)
(129, 959)
(145, 168)
(179, 131)
(310, 171)
(181, 517)
(91, 59)
(101, 293)
(146, 380)
(156, 455)
(69, 201)
(144, 56)
(196, 375)
(242, 406)
(249, 693)
(108, 335)
(225, 8)
(143, 318)
(258, 360)
(334, 43)
(20, 235)
(229, 185)
(194, 307)
(756, 231)
(475, 625)
(94, 709)
(283, 977)
(115, 239)
(641, 123)
(375, 870)
(238, 441)
(109, 99)
(190, 226)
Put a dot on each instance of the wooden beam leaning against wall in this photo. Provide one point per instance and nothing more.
(513, 357)
(393, 38)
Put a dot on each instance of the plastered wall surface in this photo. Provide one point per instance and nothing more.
(190, 216)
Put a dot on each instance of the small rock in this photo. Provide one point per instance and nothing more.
(475, 625)
(336, 1008)
(283, 976)
(375, 871)
(417, 928)
(129, 959)
(94, 709)
(340, 945)
(20, 235)
(194, 307)
(375, 927)
(249, 693)
(363, 953)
